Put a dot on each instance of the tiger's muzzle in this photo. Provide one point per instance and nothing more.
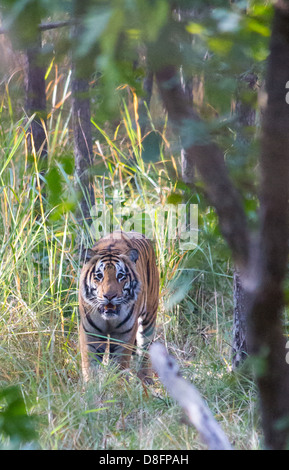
(110, 309)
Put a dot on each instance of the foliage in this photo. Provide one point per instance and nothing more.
(15, 423)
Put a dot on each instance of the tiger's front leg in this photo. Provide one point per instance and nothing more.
(92, 350)
(144, 337)
(120, 351)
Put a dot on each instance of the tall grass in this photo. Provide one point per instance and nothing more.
(39, 271)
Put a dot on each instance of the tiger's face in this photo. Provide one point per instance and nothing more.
(113, 284)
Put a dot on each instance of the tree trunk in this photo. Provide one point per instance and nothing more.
(142, 108)
(239, 346)
(246, 117)
(188, 170)
(264, 285)
(36, 100)
(82, 144)
(25, 35)
(81, 119)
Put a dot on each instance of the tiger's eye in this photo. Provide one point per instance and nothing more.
(120, 276)
(99, 276)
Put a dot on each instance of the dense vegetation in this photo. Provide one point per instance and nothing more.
(42, 235)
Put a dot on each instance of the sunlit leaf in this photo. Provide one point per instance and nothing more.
(221, 45)
(258, 27)
(195, 28)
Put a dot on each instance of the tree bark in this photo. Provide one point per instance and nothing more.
(83, 152)
(36, 99)
(25, 35)
(188, 171)
(81, 120)
(239, 346)
(264, 284)
(142, 111)
(246, 117)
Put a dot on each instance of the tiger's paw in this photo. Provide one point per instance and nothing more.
(146, 377)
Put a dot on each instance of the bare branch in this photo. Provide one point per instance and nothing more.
(45, 26)
(57, 24)
(189, 399)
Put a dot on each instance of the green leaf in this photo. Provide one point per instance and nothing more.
(174, 198)
(68, 164)
(221, 45)
(54, 182)
(258, 27)
(14, 420)
(195, 28)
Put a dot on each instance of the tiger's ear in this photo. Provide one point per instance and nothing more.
(132, 254)
(87, 254)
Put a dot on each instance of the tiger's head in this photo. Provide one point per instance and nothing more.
(111, 282)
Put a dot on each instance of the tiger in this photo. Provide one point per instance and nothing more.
(118, 302)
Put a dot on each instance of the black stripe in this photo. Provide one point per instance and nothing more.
(87, 291)
(92, 323)
(95, 335)
(149, 329)
(109, 255)
(126, 318)
(148, 272)
(148, 319)
(127, 331)
(109, 258)
(145, 322)
(113, 347)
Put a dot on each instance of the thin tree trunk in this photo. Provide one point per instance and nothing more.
(144, 102)
(81, 121)
(188, 170)
(82, 144)
(239, 346)
(246, 117)
(25, 35)
(36, 99)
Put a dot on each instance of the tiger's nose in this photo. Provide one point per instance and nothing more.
(109, 296)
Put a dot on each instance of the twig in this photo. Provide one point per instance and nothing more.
(45, 26)
(57, 24)
(189, 399)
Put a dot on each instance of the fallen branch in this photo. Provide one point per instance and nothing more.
(188, 398)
